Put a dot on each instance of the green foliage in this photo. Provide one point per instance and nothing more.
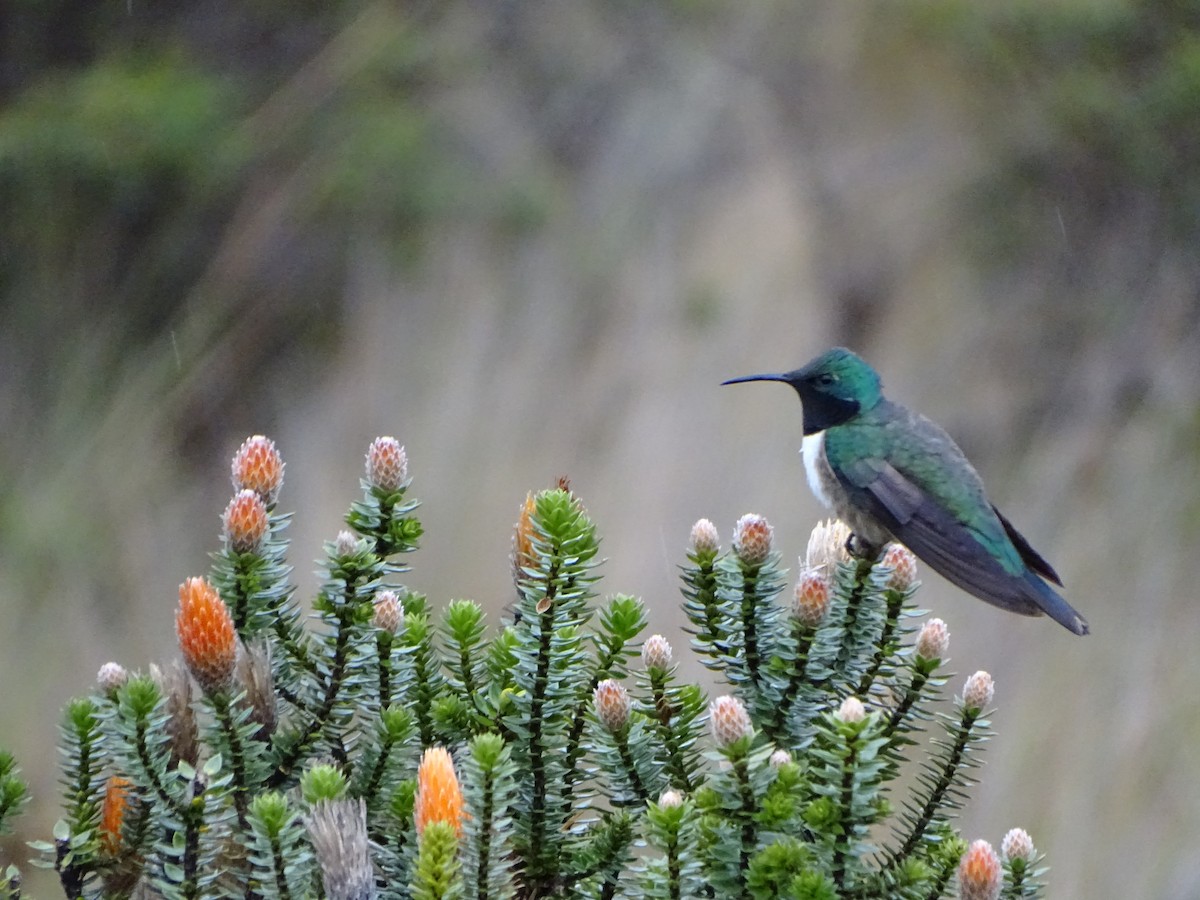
(578, 772)
(13, 793)
(1110, 91)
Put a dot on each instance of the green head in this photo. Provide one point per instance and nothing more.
(834, 387)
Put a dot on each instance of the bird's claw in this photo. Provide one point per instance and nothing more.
(860, 548)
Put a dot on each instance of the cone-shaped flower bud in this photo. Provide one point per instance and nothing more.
(613, 704)
(112, 813)
(811, 601)
(206, 634)
(729, 719)
(851, 711)
(752, 538)
(346, 543)
(779, 758)
(656, 653)
(387, 464)
(979, 873)
(245, 522)
(670, 799)
(827, 546)
(978, 691)
(705, 539)
(389, 612)
(338, 831)
(523, 556)
(257, 466)
(933, 640)
(1017, 844)
(903, 564)
(111, 678)
(439, 798)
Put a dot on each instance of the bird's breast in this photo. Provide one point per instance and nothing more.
(816, 466)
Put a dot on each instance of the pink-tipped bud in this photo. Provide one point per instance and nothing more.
(779, 758)
(257, 466)
(111, 678)
(656, 653)
(978, 691)
(245, 521)
(752, 538)
(903, 564)
(1017, 844)
(389, 612)
(387, 464)
(851, 711)
(810, 604)
(729, 719)
(979, 873)
(613, 704)
(670, 799)
(827, 546)
(705, 539)
(933, 640)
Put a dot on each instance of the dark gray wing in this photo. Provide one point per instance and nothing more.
(938, 538)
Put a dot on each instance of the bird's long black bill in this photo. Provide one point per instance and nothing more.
(756, 378)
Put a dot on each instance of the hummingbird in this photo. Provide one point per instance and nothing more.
(893, 475)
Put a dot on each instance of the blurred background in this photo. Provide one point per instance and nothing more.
(531, 238)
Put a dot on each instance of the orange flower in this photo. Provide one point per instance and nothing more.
(438, 796)
(523, 556)
(206, 634)
(980, 873)
(258, 466)
(811, 603)
(112, 813)
(246, 521)
(752, 538)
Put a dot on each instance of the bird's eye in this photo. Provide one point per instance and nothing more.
(826, 378)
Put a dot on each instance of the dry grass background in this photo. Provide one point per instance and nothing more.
(715, 200)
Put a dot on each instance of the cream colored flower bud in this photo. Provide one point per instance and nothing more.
(111, 678)
(705, 538)
(1017, 844)
(978, 691)
(729, 719)
(851, 711)
(933, 640)
(656, 653)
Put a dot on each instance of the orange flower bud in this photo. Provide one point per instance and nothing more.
(439, 798)
(613, 704)
(258, 466)
(979, 873)
(246, 521)
(752, 538)
(811, 602)
(206, 634)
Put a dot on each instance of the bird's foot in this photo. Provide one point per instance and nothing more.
(860, 548)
